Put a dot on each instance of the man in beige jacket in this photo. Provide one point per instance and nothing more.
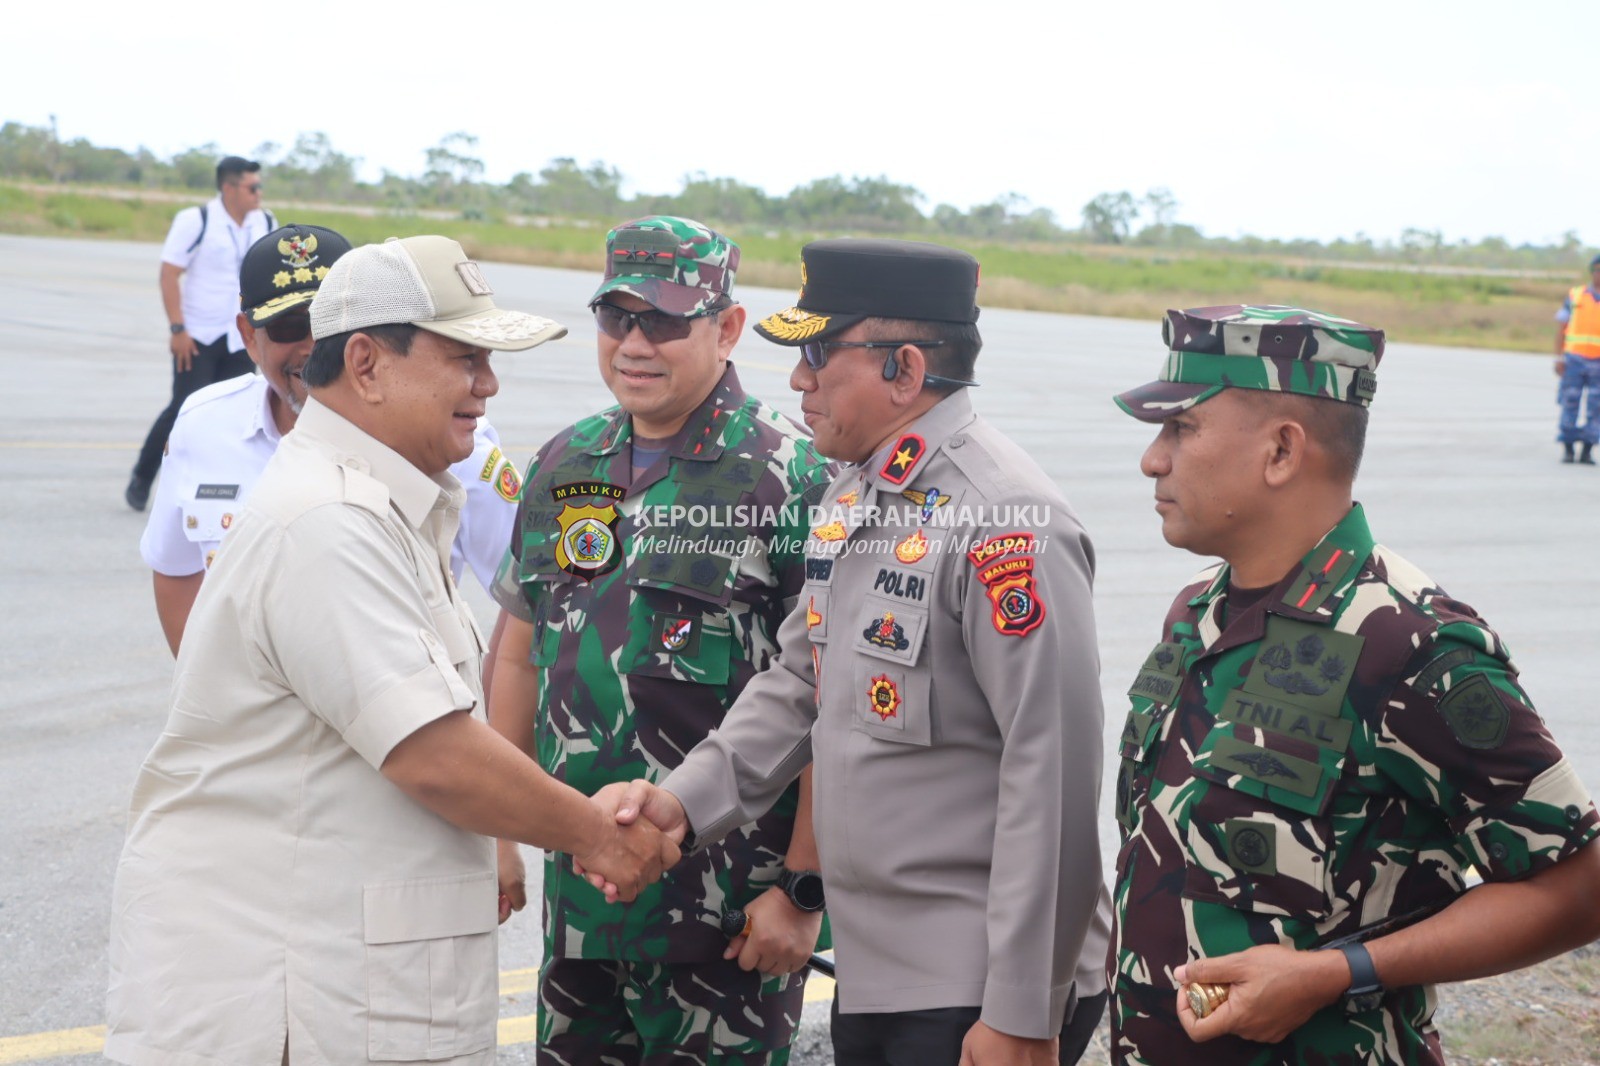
(308, 875)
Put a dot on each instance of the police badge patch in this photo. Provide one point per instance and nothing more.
(1005, 569)
(587, 545)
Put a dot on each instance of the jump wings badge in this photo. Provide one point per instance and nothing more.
(928, 501)
(587, 546)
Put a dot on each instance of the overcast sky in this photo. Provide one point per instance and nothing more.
(1276, 119)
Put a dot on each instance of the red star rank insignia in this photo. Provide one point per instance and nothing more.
(883, 697)
(903, 458)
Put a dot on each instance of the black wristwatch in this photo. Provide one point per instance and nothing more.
(804, 889)
(1366, 991)
(177, 328)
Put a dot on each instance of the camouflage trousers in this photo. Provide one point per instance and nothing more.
(619, 1013)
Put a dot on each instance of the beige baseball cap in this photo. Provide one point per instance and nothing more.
(427, 282)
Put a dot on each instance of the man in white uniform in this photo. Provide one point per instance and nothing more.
(226, 432)
(308, 875)
(203, 248)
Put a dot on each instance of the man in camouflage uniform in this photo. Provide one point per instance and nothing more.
(658, 546)
(1322, 740)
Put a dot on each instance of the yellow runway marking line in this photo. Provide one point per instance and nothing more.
(37, 1046)
(523, 1030)
(819, 989)
(516, 982)
(91, 1040)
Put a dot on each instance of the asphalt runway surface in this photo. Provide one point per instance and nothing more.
(1460, 476)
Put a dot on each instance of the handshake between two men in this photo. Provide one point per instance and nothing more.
(621, 855)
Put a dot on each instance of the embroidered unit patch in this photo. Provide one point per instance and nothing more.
(883, 697)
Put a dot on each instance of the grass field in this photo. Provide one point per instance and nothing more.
(1470, 310)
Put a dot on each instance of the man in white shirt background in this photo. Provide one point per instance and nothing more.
(205, 247)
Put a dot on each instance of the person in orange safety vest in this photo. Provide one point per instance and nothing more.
(1578, 366)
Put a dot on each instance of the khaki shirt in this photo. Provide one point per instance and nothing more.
(273, 882)
(941, 669)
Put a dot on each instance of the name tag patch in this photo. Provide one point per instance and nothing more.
(900, 584)
(217, 492)
(1287, 719)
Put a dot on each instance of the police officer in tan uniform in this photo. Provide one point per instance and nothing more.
(941, 671)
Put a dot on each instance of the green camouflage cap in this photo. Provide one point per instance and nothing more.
(675, 265)
(1273, 348)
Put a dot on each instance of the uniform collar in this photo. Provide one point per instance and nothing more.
(1315, 588)
(219, 210)
(700, 439)
(261, 420)
(413, 492)
(891, 467)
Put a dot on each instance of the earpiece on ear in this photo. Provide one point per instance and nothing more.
(890, 368)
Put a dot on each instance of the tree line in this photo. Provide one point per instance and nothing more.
(452, 179)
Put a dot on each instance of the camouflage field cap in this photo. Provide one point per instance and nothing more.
(846, 279)
(675, 265)
(1272, 348)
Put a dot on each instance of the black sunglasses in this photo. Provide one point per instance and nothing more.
(658, 327)
(289, 328)
(815, 353)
